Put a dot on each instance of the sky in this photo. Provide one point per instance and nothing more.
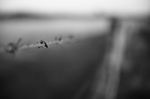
(76, 6)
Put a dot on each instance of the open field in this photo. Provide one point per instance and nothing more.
(67, 70)
(46, 29)
(56, 72)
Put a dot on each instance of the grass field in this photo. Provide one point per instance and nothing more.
(56, 72)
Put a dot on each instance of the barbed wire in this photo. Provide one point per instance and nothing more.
(13, 47)
(40, 45)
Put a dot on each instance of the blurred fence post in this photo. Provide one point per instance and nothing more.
(107, 77)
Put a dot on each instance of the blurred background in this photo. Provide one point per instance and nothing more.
(65, 71)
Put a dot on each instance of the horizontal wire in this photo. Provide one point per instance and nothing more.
(38, 45)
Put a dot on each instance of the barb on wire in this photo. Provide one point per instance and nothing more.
(11, 47)
(43, 42)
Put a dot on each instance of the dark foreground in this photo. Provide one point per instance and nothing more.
(66, 72)
(54, 73)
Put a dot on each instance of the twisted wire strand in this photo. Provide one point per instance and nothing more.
(14, 47)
